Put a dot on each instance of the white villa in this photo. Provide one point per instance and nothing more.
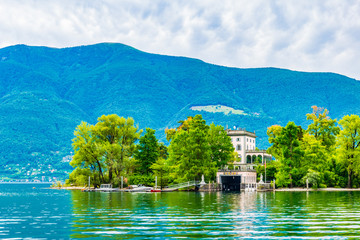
(243, 175)
(244, 143)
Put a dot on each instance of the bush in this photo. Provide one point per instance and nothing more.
(313, 178)
(79, 177)
(147, 180)
(57, 184)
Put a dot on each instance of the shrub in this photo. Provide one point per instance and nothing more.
(148, 180)
(57, 185)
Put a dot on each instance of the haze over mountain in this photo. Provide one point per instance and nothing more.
(46, 92)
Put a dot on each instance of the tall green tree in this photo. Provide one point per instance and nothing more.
(116, 136)
(291, 153)
(221, 147)
(190, 151)
(199, 150)
(314, 156)
(319, 149)
(163, 151)
(348, 142)
(323, 128)
(105, 149)
(87, 154)
(147, 151)
(274, 133)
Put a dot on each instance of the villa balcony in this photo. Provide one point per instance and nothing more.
(256, 151)
(240, 167)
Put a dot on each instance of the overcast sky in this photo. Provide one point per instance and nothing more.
(304, 35)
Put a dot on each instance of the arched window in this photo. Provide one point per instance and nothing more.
(248, 159)
(238, 147)
(253, 159)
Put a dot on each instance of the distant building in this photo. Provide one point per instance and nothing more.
(244, 143)
(243, 175)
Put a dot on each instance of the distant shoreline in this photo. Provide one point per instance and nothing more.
(276, 190)
(317, 190)
(26, 182)
(69, 188)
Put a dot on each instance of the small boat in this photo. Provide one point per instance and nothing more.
(139, 188)
(155, 190)
(106, 188)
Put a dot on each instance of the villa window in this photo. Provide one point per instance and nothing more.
(238, 147)
(238, 139)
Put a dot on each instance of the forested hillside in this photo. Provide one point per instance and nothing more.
(45, 93)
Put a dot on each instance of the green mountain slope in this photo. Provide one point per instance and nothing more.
(45, 93)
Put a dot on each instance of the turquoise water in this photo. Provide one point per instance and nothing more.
(42, 213)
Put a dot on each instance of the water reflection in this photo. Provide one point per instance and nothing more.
(315, 214)
(165, 214)
(216, 215)
(60, 214)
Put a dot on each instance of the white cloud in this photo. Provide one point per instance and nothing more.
(301, 35)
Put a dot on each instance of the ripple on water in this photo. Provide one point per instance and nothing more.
(75, 214)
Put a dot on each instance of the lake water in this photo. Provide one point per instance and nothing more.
(42, 213)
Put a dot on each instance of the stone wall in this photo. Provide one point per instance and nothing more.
(210, 187)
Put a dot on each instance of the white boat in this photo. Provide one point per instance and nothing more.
(139, 188)
(106, 188)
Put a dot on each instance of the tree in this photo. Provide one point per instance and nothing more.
(116, 136)
(348, 141)
(221, 147)
(105, 149)
(190, 152)
(274, 133)
(199, 151)
(163, 151)
(291, 152)
(315, 154)
(147, 151)
(313, 178)
(323, 128)
(161, 169)
(87, 154)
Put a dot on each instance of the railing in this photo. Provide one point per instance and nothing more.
(256, 151)
(241, 168)
(183, 185)
(105, 186)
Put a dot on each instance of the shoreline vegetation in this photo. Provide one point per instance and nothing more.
(326, 155)
(276, 190)
(115, 151)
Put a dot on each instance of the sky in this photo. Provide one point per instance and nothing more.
(306, 35)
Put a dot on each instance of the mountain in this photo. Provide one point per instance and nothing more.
(46, 92)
